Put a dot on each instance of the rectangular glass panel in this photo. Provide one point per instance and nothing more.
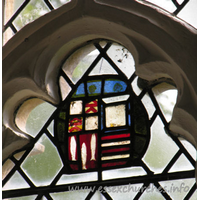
(115, 116)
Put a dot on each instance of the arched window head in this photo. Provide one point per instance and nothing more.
(101, 124)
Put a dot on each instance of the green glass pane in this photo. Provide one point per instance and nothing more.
(94, 87)
(140, 125)
(139, 144)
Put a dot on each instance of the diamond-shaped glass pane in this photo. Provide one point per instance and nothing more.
(16, 182)
(182, 164)
(31, 12)
(38, 117)
(151, 192)
(78, 63)
(43, 167)
(161, 148)
(122, 58)
(64, 87)
(178, 189)
(166, 100)
(122, 192)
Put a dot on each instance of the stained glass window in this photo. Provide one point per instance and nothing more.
(107, 132)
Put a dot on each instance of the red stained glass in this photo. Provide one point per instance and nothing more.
(88, 144)
(74, 167)
(110, 137)
(114, 164)
(116, 150)
(75, 124)
(91, 107)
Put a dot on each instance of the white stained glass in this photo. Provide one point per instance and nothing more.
(76, 107)
(115, 116)
(91, 123)
(116, 99)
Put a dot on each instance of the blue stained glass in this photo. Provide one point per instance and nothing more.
(114, 86)
(80, 92)
(94, 88)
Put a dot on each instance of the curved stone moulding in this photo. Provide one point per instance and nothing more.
(161, 44)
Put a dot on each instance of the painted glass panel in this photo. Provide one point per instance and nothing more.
(75, 124)
(115, 116)
(94, 87)
(114, 86)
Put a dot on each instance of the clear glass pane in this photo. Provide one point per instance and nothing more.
(11, 7)
(38, 117)
(7, 35)
(165, 4)
(127, 192)
(135, 87)
(77, 64)
(78, 193)
(190, 148)
(19, 155)
(77, 178)
(98, 196)
(16, 182)
(31, 12)
(122, 58)
(161, 148)
(43, 167)
(152, 192)
(148, 104)
(51, 127)
(102, 67)
(166, 100)
(178, 189)
(6, 168)
(64, 88)
(58, 3)
(182, 164)
(24, 198)
(189, 13)
(124, 172)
